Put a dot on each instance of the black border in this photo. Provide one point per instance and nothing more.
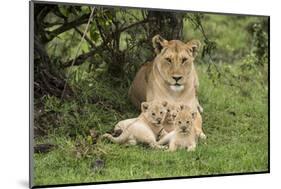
(31, 63)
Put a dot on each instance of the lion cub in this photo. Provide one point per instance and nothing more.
(172, 111)
(184, 135)
(122, 125)
(146, 128)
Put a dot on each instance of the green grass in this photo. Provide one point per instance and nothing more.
(235, 120)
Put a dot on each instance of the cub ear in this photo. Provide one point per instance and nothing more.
(194, 115)
(195, 46)
(144, 106)
(183, 106)
(158, 43)
(164, 103)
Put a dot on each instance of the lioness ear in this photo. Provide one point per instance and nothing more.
(158, 43)
(194, 115)
(144, 106)
(164, 103)
(195, 45)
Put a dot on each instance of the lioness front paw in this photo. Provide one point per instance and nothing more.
(191, 148)
(200, 109)
(202, 136)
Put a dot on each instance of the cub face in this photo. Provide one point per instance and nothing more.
(184, 120)
(172, 111)
(155, 111)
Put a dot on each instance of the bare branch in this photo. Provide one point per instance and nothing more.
(67, 26)
(79, 59)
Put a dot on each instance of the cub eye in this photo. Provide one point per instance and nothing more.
(153, 113)
(161, 112)
(184, 60)
(168, 60)
(168, 110)
(188, 122)
(179, 122)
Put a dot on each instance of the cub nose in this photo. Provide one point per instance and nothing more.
(158, 119)
(183, 128)
(176, 78)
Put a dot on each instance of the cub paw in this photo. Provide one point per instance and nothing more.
(163, 147)
(106, 135)
(191, 148)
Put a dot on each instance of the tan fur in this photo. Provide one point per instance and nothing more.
(154, 80)
(122, 125)
(184, 135)
(144, 129)
(172, 111)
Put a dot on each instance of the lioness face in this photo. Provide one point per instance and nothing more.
(184, 120)
(172, 111)
(154, 111)
(175, 60)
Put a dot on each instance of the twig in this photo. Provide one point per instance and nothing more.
(134, 24)
(78, 49)
(49, 24)
(86, 37)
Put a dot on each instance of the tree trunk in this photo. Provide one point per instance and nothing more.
(169, 25)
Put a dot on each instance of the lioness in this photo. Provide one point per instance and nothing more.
(171, 76)
(184, 135)
(146, 128)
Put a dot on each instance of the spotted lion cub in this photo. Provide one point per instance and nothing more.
(184, 135)
(146, 128)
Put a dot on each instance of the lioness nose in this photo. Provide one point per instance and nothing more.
(158, 119)
(176, 78)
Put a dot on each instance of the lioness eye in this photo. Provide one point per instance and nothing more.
(179, 122)
(168, 60)
(183, 60)
(153, 114)
(168, 110)
(187, 122)
(161, 112)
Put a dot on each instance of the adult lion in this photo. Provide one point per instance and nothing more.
(170, 76)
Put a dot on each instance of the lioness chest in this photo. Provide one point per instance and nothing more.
(186, 97)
